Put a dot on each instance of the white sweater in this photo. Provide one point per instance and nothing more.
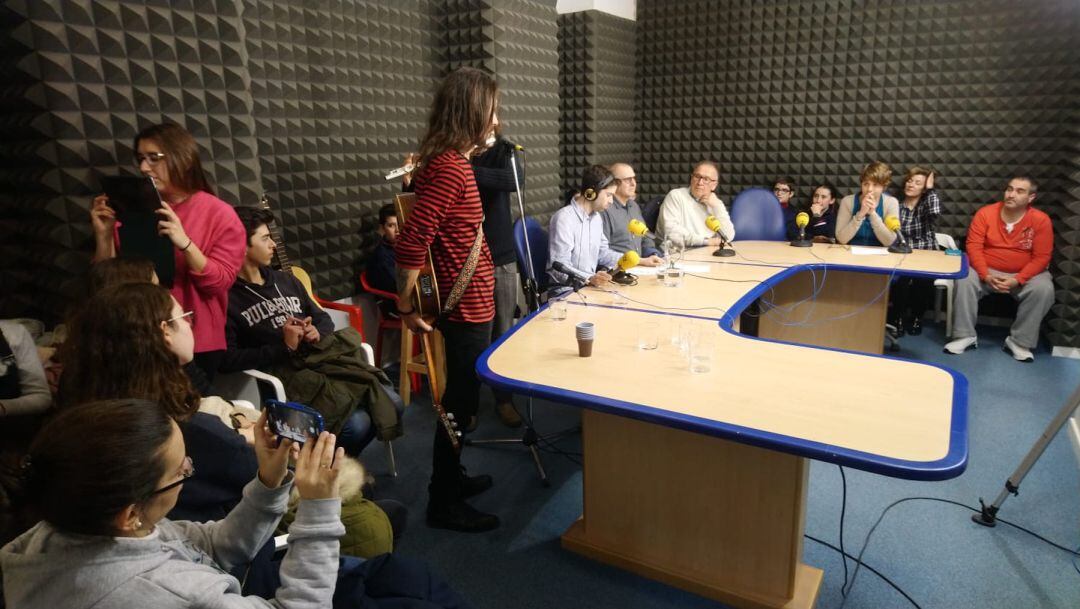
(682, 218)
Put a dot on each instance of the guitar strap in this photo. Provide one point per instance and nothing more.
(466, 275)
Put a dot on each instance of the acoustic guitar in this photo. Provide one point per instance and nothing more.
(425, 299)
(281, 258)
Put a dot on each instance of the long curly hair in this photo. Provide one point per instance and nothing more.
(461, 114)
(116, 350)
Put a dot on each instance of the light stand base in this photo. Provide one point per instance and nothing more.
(531, 439)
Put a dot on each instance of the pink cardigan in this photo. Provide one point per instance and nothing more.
(214, 227)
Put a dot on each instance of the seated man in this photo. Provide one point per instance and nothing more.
(380, 269)
(1009, 245)
(273, 325)
(861, 217)
(576, 236)
(617, 217)
(683, 213)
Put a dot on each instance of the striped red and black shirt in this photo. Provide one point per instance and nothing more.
(446, 217)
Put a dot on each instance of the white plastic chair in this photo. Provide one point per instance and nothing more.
(944, 285)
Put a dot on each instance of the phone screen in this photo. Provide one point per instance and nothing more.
(296, 422)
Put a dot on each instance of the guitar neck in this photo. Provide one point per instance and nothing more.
(281, 258)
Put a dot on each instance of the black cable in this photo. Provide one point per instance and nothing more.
(843, 510)
(845, 555)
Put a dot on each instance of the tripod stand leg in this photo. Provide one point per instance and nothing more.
(539, 465)
(988, 515)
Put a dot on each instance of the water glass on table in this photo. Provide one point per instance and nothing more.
(557, 308)
(648, 335)
(701, 352)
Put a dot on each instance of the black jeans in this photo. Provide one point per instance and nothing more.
(910, 297)
(464, 344)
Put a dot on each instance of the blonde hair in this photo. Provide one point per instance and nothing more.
(876, 172)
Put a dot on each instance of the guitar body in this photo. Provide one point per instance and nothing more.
(426, 295)
(427, 303)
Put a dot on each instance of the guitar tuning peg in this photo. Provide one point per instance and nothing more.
(450, 416)
(457, 433)
(453, 424)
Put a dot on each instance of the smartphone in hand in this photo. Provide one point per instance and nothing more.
(293, 420)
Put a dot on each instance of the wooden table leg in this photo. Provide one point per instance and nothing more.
(841, 315)
(717, 518)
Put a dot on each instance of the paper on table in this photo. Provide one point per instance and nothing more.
(858, 250)
(648, 271)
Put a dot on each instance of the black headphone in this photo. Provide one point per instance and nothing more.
(590, 193)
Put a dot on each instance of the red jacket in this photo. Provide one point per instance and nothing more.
(1025, 251)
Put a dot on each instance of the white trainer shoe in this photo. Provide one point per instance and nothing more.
(958, 346)
(1019, 353)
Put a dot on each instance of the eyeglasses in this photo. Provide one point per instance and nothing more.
(704, 179)
(190, 315)
(782, 191)
(151, 157)
(187, 470)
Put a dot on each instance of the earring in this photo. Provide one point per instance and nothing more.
(138, 524)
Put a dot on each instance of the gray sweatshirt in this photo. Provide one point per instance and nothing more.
(179, 564)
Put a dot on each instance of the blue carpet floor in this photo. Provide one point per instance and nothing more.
(931, 550)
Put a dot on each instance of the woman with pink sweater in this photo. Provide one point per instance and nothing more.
(207, 237)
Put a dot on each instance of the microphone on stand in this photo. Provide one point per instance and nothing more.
(577, 278)
(714, 225)
(801, 220)
(639, 229)
(629, 260)
(900, 246)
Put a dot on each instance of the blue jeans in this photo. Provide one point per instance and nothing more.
(358, 432)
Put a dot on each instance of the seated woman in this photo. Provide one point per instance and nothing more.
(207, 238)
(104, 475)
(910, 297)
(822, 212)
(131, 341)
(861, 217)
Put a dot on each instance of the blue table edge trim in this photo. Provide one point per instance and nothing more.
(950, 466)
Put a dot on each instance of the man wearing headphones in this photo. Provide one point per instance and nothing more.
(576, 236)
(683, 213)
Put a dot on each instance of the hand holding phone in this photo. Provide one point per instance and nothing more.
(293, 420)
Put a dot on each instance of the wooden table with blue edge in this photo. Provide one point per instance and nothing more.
(699, 480)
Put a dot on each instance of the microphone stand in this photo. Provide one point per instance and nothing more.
(900, 245)
(530, 438)
(802, 241)
(723, 251)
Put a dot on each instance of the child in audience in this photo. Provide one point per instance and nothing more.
(381, 267)
(115, 271)
(861, 217)
(822, 225)
(784, 189)
(104, 475)
(206, 235)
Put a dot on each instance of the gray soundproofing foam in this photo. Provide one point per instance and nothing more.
(977, 89)
(597, 77)
(341, 92)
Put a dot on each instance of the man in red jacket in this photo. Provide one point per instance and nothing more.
(1008, 245)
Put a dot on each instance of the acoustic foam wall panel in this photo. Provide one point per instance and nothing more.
(815, 89)
(88, 75)
(341, 93)
(597, 77)
(515, 40)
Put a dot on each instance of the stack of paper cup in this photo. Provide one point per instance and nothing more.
(585, 334)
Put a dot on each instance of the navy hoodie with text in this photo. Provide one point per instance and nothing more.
(257, 313)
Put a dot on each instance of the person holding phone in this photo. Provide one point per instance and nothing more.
(207, 237)
(104, 476)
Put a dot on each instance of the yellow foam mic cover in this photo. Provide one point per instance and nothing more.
(637, 227)
(629, 260)
(712, 224)
(802, 219)
(892, 223)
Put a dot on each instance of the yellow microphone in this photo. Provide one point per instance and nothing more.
(801, 220)
(900, 245)
(638, 228)
(713, 224)
(629, 260)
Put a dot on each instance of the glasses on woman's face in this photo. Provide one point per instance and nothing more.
(188, 317)
(150, 158)
(187, 470)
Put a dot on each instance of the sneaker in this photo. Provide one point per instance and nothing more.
(960, 345)
(1019, 353)
(460, 516)
(472, 486)
(508, 414)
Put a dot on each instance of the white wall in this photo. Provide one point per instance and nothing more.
(626, 9)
